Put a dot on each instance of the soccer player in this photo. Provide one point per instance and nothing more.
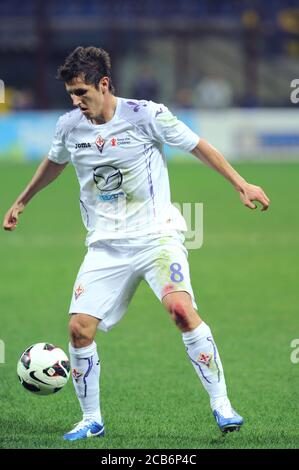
(134, 232)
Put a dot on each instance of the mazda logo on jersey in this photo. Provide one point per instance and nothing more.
(107, 177)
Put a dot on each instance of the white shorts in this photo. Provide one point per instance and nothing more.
(112, 270)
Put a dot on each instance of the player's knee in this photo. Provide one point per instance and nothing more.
(180, 312)
(81, 334)
(183, 314)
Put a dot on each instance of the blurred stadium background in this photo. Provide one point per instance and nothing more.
(225, 68)
(226, 65)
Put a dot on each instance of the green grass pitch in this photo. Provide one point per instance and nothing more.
(245, 279)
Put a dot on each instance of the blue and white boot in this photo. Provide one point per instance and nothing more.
(227, 418)
(84, 429)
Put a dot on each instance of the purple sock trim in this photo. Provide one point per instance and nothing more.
(90, 364)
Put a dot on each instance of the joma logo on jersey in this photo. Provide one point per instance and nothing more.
(83, 145)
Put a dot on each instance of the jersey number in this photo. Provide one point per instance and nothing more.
(176, 273)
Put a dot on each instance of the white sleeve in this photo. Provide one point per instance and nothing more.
(168, 129)
(58, 152)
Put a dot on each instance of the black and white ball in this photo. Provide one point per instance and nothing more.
(43, 369)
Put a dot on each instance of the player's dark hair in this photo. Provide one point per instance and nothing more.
(90, 63)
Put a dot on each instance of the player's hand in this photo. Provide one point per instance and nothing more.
(250, 193)
(11, 218)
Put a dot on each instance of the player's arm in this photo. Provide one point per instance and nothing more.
(44, 175)
(214, 159)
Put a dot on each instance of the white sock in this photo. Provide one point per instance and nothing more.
(86, 376)
(203, 354)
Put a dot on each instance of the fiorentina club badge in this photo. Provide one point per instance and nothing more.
(78, 291)
(100, 143)
(205, 359)
(76, 374)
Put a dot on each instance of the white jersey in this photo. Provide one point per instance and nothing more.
(121, 168)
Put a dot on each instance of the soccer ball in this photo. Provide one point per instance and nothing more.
(43, 369)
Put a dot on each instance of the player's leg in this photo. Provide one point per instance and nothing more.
(85, 365)
(200, 345)
(103, 288)
(203, 354)
(168, 276)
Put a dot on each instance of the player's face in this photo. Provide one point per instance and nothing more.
(88, 98)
